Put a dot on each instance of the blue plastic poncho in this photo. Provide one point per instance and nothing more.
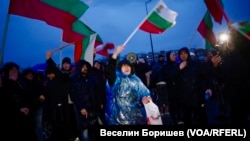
(124, 106)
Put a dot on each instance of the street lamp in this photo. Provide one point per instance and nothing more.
(150, 36)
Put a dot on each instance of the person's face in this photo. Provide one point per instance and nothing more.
(29, 76)
(84, 69)
(126, 69)
(51, 76)
(97, 65)
(13, 70)
(172, 56)
(209, 54)
(66, 66)
(13, 73)
(183, 56)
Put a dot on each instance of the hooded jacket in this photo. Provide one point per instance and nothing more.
(84, 93)
(192, 81)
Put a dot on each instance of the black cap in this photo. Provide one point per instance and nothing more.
(66, 60)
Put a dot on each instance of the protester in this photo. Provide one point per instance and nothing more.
(84, 92)
(233, 71)
(99, 72)
(35, 92)
(127, 93)
(57, 107)
(15, 106)
(193, 83)
(143, 70)
(169, 73)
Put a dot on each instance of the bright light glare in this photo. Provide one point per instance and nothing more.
(223, 37)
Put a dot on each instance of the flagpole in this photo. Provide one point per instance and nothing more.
(60, 57)
(61, 47)
(4, 39)
(150, 35)
(191, 39)
(133, 33)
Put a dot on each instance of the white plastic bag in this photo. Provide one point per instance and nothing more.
(153, 114)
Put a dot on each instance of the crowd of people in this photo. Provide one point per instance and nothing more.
(69, 102)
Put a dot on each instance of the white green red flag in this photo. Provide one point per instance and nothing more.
(242, 27)
(160, 19)
(205, 28)
(103, 49)
(58, 13)
(215, 7)
(87, 46)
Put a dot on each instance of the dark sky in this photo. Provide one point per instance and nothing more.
(27, 40)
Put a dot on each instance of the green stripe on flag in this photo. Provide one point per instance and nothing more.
(208, 45)
(242, 27)
(208, 20)
(245, 28)
(158, 21)
(74, 7)
(85, 43)
(81, 28)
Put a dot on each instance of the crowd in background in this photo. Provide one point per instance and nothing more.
(66, 103)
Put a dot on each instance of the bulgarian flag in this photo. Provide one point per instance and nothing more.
(84, 49)
(99, 48)
(205, 28)
(160, 19)
(62, 14)
(104, 49)
(243, 28)
(88, 48)
(77, 31)
(215, 7)
(58, 13)
(82, 45)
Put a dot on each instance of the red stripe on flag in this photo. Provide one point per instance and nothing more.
(71, 36)
(78, 50)
(36, 9)
(151, 28)
(215, 10)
